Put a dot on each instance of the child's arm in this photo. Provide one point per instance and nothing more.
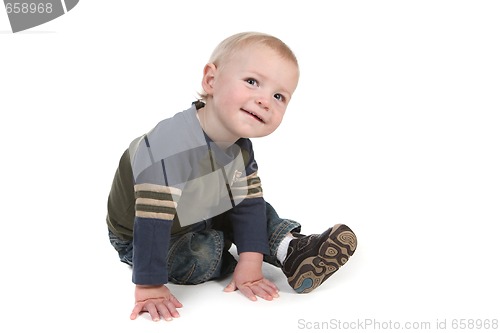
(157, 300)
(248, 278)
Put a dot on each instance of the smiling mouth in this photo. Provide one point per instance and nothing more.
(254, 115)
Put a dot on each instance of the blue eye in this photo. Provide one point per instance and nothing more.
(279, 97)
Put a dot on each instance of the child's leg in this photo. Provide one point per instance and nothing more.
(307, 261)
(277, 229)
(123, 247)
(194, 257)
(312, 259)
(199, 256)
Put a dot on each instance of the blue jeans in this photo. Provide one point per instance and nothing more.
(201, 251)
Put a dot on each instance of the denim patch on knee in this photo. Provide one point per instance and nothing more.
(196, 257)
(123, 247)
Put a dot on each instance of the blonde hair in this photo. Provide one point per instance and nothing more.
(229, 46)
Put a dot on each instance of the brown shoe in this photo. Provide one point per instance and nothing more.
(311, 260)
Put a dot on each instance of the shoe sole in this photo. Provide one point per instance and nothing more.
(337, 248)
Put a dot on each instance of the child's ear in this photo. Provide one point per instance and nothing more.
(207, 82)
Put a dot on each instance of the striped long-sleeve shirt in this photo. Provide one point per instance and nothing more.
(175, 176)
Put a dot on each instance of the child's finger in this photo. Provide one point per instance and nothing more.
(230, 287)
(270, 289)
(135, 312)
(248, 293)
(153, 312)
(263, 291)
(175, 301)
(271, 284)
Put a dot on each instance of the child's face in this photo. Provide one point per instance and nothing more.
(251, 91)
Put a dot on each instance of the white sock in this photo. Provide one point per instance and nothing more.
(283, 247)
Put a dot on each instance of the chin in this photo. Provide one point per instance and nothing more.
(255, 135)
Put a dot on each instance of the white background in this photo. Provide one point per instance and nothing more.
(393, 130)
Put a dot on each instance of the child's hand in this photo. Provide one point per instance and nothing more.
(157, 300)
(248, 278)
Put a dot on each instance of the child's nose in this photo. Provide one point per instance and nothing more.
(263, 102)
